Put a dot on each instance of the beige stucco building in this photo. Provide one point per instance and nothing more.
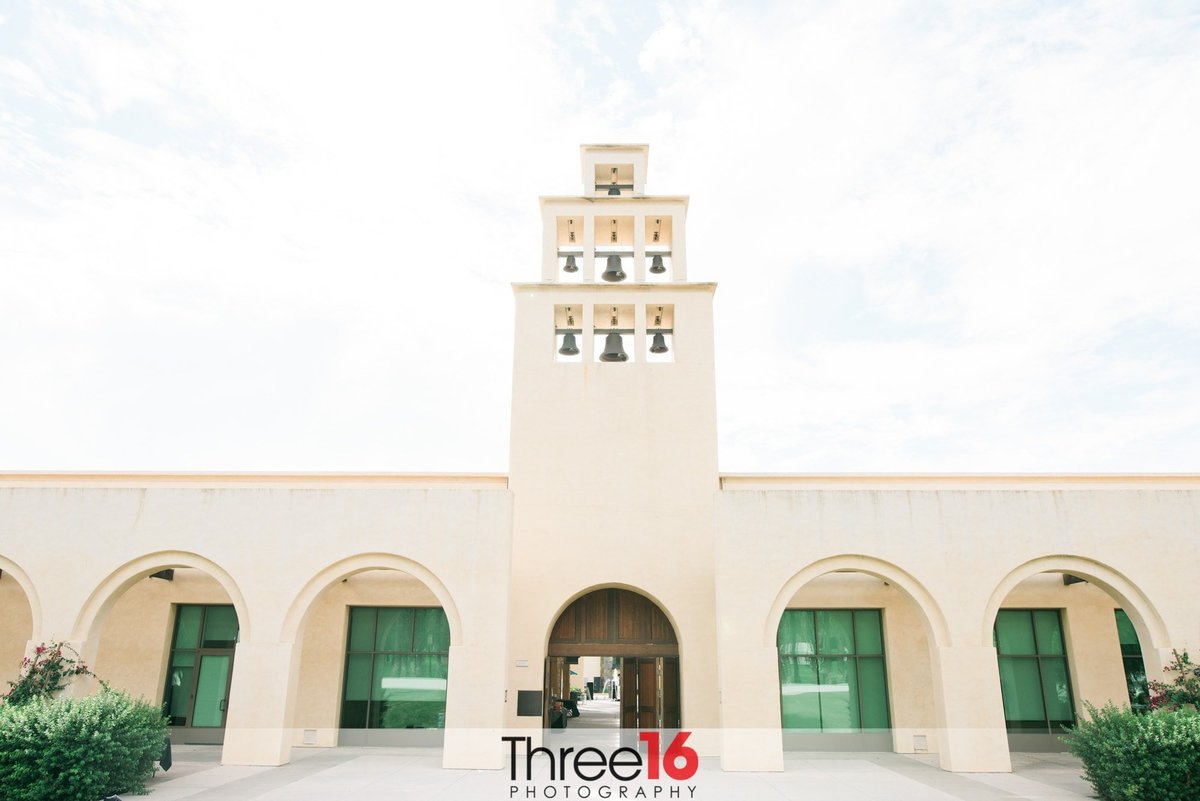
(958, 615)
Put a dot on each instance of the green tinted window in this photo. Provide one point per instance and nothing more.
(394, 630)
(1135, 668)
(1034, 678)
(801, 705)
(197, 679)
(431, 631)
(868, 633)
(1127, 634)
(220, 627)
(1056, 689)
(187, 626)
(362, 628)
(796, 634)
(835, 632)
(1049, 632)
(397, 663)
(1014, 632)
(838, 691)
(842, 688)
(872, 690)
(1020, 686)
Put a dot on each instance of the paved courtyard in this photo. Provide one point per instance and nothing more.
(392, 773)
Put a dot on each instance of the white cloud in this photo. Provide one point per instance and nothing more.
(266, 236)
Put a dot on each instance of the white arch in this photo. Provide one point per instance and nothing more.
(935, 621)
(1145, 618)
(298, 610)
(31, 597)
(98, 604)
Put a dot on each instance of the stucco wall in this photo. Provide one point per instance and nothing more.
(958, 552)
(271, 546)
(939, 559)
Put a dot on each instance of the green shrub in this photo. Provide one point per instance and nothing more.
(1133, 757)
(78, 749)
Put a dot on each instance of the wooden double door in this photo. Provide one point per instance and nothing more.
(622, 623)
(650, 692)
(649, 689)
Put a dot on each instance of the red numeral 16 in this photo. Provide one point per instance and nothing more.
(677, 750)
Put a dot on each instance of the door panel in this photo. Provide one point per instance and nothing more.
(670, 693)
(212, 691)
(647, 694)
(629, 693)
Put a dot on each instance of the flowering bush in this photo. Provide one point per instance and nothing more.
(1183, 691)
(43, 675)
(1139, 757)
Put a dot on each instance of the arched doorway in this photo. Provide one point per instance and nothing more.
(631, 630)
(166, 626)
(374, 634)
(855, 639)
(16, 621)
(1069, 631)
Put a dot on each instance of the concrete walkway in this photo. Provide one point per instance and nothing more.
(334, 774)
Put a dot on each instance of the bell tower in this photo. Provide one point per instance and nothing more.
(613, 460)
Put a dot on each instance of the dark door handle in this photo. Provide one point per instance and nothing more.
(223, 704)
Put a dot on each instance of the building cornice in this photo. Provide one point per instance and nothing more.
(625, 286)
(546, 200)
(958, 481)
(728, 481)
(291, 480)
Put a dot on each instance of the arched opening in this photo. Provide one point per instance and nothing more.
(1069, 631)
(165, 627)
(613, 656)
(374, 635)
(855, 637)
(17, 623)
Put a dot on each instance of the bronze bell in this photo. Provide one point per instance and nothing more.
(570, 266)
(613, 271)
(614, 190)
(658, 344)
(656, 266)
(614, 349)
(569, 348)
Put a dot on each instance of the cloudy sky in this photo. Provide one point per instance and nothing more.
(281, 236)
